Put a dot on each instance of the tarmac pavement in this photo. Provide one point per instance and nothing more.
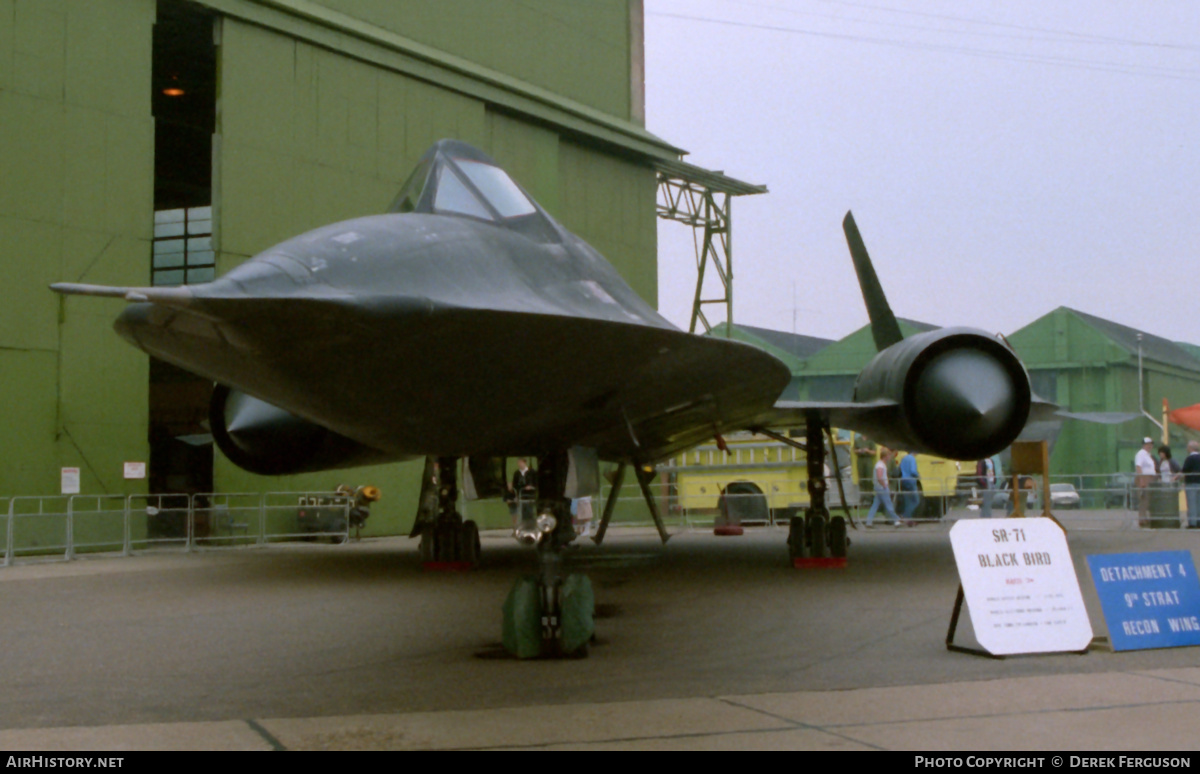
(707, 643)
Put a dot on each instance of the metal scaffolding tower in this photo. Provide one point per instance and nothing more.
(701, 198)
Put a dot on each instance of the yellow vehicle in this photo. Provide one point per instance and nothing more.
(770, 477)
(938, 476)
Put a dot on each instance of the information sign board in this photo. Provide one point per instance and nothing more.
(1150, 599)
(1020, 586)
(69, 480)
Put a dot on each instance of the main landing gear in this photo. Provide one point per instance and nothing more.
(447, 541)
(816, 538)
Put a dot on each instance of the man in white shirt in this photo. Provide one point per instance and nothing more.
(1145, 469)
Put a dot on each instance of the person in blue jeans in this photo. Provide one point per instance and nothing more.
(883, 494)
(910, 492)
(985, 470)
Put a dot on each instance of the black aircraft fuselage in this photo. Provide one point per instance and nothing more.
(473, 325)
(468, 322)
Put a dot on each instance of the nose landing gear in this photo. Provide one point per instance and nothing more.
(550, 614)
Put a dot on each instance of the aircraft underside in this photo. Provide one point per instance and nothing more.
(466, 382)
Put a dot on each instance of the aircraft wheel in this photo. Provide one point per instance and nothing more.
(576, 619)
(796, 537)
(522, 630)
(445, 543)
(817, 535)
(468, 543)
(837, 537)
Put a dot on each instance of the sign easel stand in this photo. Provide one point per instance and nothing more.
(1028, 458)
(958, 603)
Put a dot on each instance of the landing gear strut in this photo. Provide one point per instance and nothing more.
(817, 534)
(447, 542)
(551, 613)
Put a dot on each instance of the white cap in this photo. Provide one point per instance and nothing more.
(1147, 440)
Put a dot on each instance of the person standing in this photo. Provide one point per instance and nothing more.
(581, 514)
(864, 457)
(910, 486)
(1168, 469)
(524, 485)
(1145, 469)
(1191, 484)
(883, 493)
(985, 472)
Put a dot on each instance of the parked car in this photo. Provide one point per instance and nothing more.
(1063, 497)
(1002, 495)
(1117, 493)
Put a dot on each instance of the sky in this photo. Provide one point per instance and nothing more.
(1002, 158)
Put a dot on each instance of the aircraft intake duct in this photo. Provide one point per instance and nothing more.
(962, 394)
(264, 439)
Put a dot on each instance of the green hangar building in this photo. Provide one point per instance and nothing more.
(1082, 362)
(164, 142)
(1089, 364)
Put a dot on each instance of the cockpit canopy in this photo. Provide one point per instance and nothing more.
(454, 178)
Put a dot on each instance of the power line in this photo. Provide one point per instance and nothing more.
(1063, 36)
(1081, 37)
(1173, 73)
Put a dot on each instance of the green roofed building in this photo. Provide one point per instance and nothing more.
(829, 374)
(792, 348)
(1085, 364)
(161, 142)
(1082, 362)
(1191, 349)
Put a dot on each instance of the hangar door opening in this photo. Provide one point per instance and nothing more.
(184, 105)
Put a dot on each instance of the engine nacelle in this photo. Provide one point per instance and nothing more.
(962, 394)
(265, 439)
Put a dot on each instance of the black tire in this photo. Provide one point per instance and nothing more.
(468, 543)
(796, 537)
(425, 549)
(817, 535)
(445, 543)
(838, 542)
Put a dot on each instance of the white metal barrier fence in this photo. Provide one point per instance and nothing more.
(61, 527)
(1099, 502)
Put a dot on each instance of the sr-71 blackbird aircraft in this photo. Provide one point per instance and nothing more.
(478, 327)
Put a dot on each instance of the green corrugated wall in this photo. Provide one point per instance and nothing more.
(306, 135)
(76, 201)
(578, 48)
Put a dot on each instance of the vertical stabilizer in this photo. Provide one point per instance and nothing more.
(884, 328)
